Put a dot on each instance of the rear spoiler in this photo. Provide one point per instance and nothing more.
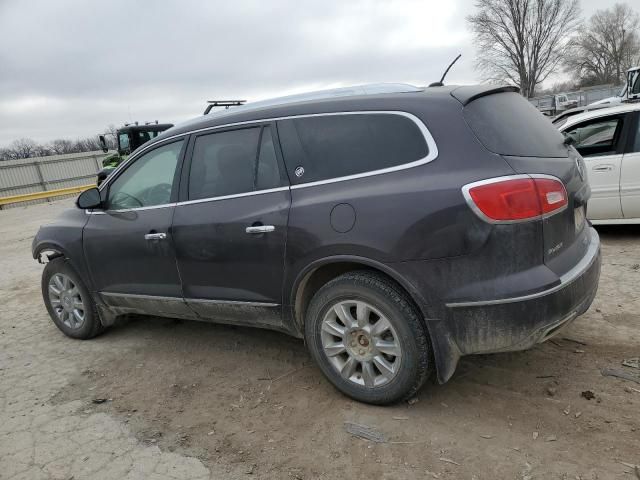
(466, 95)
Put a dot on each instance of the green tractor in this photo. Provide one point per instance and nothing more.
(129, 137)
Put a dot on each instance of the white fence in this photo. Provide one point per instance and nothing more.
(40, 174)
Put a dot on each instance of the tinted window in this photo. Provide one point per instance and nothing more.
(229, 163)
(597, 137)
(507, 124)
(268, 175)
(148, 181)
(331, 146)
(636, 144)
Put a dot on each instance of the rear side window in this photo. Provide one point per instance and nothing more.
(507, 124)
(331, 146)
(233, 162)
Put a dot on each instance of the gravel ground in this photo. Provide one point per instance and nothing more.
(194, 400)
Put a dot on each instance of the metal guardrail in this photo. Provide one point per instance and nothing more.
(25, 197)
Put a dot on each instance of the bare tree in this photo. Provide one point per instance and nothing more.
(24, 148)
(27, 148)
(607, 46)
(111, 136)
(62, 146)
(522, 41)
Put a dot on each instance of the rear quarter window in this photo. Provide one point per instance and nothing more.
(334, 146)
(507, 124)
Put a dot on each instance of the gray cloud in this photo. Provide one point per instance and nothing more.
(69, 68)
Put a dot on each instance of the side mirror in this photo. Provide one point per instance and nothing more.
(103, 143)
(89, 199)
(569, 139)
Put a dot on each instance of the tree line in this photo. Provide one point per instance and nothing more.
(28, 148)
(524, 42)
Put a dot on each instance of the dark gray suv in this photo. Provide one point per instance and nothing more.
(394, 228)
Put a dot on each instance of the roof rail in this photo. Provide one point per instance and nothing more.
(223, 103)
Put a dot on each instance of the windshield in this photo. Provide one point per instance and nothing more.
(146, 135)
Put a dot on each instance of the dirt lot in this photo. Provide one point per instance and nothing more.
(194, 400)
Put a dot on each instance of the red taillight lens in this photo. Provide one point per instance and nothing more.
(513, 199)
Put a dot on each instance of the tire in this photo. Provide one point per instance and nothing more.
(345, 329)
(72, 309)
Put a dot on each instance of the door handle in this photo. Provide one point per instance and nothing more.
(155, 236)
(602, 168)
(260, 229)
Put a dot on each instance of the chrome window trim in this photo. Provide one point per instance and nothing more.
(125, 210)
(488, 181)
(566, 279)
(432, 154)
(235, 195)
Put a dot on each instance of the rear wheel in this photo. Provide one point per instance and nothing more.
(68, 301)
(368, 339)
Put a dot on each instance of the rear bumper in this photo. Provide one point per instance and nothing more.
(519, 322)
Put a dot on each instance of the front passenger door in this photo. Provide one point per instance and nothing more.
(599, 142)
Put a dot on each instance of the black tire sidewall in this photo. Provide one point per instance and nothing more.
(409, 374)
(91, 325)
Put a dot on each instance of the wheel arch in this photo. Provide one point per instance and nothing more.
(319, 272)
(50, 249)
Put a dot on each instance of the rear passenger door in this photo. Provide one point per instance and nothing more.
(230, 226)
(630, 174)
(600, 142)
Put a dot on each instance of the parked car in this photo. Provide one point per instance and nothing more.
(609, 142)
(395, 229)
(561, 119)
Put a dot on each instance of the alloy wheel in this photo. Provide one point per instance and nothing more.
(66, 301)
(360, 343)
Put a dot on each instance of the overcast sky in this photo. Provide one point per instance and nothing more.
(70, 68)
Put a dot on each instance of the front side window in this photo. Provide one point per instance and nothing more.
(148, 181)
(596, 137)
(124, 141)
(635, 79)
(233, 162)
(333, 146)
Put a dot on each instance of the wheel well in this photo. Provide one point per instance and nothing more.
(314, 280)
(45, 254)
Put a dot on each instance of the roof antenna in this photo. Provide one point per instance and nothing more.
(440, 84)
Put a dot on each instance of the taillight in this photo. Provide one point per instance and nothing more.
(516, 198)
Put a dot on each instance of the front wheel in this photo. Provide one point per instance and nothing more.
(367, 338)
(68, 301)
